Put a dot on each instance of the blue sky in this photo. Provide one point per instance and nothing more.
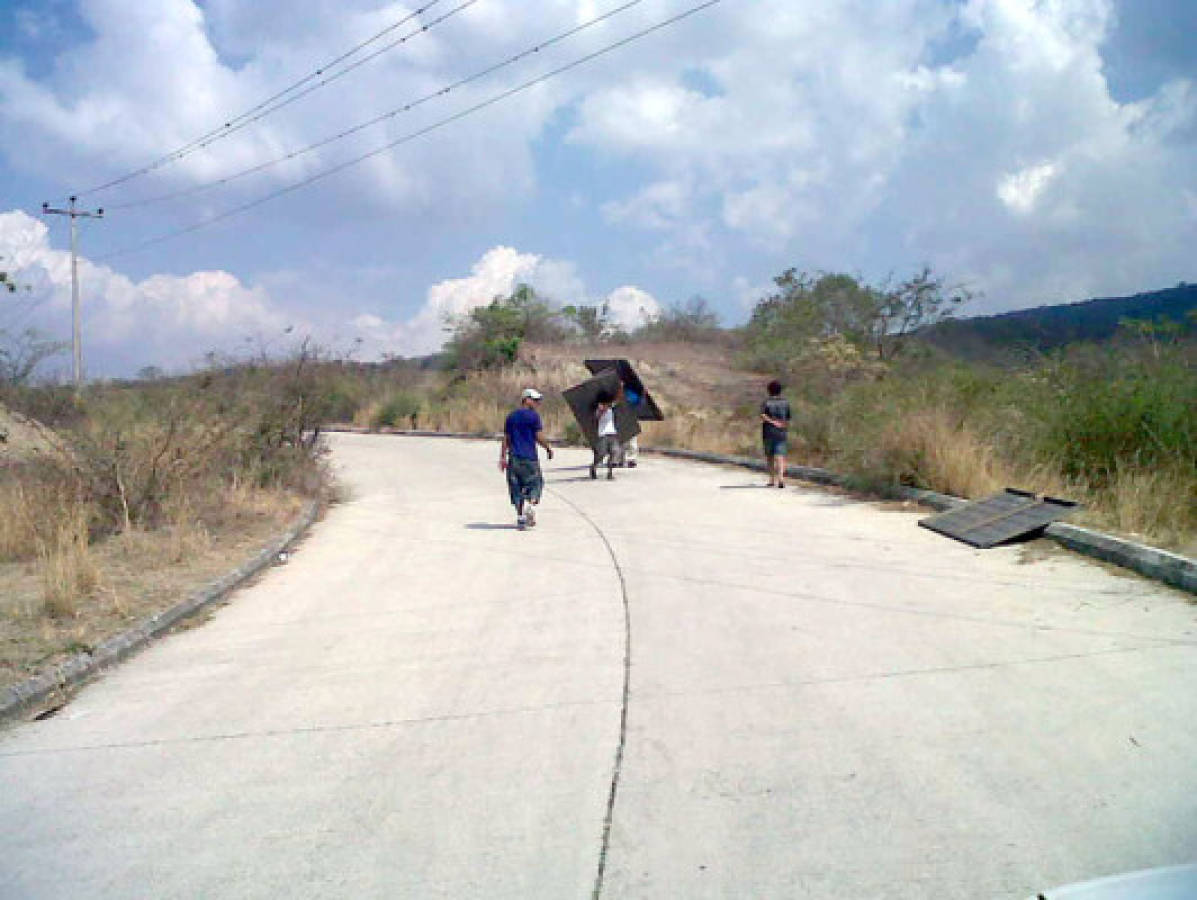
(1039, 151)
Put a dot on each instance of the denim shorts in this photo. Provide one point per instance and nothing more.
(524, 481)
(775, 446)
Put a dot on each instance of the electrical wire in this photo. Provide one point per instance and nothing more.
(390, 114)
(277, 101)
(326, 173)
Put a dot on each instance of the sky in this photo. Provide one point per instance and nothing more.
(1035, 151)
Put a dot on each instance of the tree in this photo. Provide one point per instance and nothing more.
(21, 354)
(592, 322)
(807, 310)
(692, 321)
(490, 336)
(919, 302)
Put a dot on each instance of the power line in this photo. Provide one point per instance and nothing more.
(390, 114)
(280, 99)
(319, 176)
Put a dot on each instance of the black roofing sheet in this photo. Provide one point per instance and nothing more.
(647, 410)
(583, 397)
(1000, 518)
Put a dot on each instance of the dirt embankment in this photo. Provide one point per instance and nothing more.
(24, 440)
(678, 374)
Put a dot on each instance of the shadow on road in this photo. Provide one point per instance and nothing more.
(490, 526)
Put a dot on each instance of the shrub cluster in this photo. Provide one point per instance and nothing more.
(159, 454)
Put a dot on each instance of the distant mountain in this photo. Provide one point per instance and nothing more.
(1048, 327)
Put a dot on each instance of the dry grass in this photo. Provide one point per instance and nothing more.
(119, 581)
(927, 449)
(68, 573)
(892, 433)
(1158, 505)
(705, 430)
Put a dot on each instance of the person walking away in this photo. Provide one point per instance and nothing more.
(522, 431)
(607, 444)
(775, 421)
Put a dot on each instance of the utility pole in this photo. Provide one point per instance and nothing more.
(76, 339)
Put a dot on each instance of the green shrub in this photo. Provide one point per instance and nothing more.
(398, 410)
(1121, 413)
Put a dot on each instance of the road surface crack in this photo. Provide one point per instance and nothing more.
(617, 769)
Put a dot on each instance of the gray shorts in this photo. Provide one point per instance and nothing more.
(606, 447)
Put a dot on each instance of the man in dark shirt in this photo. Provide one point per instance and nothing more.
(775, 420)
(522, 431)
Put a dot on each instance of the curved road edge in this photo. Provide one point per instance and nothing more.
(1151, 562)
(54, 682)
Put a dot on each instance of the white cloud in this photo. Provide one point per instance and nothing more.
(496, 274)
(630, 307)
(980, 136)
(151, 77)
(840, 137)
(1020, 190)
(172, 321)
(164, 320)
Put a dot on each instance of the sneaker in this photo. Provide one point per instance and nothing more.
(631, 463)
(781, 484)
(520, 522)
(593, 473)
(530, 515)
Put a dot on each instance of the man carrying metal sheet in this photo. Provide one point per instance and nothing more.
(522, 431)
(607, 445)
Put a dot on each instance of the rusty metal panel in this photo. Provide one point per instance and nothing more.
(647, 409)
(1003, 517)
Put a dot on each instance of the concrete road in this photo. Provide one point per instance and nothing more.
(679, 684)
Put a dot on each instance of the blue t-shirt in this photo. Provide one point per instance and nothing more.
(521, 427)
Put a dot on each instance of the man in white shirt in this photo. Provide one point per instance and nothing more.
(607, 444)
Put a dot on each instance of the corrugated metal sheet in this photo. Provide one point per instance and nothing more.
(1003, 517)
(583, 397)
(647, 410)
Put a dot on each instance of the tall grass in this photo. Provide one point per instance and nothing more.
(64, 561)
(171, 457)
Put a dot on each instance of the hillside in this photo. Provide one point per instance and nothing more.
(1049, 327)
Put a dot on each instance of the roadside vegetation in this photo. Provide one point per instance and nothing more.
(1110, 424)
(140, 487)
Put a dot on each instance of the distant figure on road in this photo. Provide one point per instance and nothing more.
(629, 449)
(522, 431)
(775, 420)
(607, 445)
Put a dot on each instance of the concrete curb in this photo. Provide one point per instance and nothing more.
(37, 690)
(1159, 565)
(1170, 568)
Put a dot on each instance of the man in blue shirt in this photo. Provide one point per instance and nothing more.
(522, 431)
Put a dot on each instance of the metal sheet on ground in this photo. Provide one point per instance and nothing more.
(647, 410)
(1003, 517)
(582, 399)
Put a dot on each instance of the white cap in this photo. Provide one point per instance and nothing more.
(531, 393)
